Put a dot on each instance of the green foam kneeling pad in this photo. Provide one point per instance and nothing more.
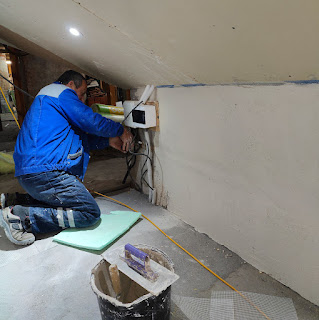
(104, 232)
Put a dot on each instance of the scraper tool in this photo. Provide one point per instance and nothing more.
(138, 266)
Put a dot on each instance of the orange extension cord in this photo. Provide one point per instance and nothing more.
(211, 271)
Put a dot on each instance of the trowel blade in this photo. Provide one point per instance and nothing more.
(165, 276)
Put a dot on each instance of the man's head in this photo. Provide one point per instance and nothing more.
(75, 81)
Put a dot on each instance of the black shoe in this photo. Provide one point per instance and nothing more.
(14, 199)
(8, 199)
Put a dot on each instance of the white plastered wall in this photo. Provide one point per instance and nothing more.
(133, 43)
(241, 163)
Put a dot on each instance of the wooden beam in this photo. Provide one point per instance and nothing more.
(156, 104)
(128, 94)
(113, 95)
(111, 92)
(103, 86)
(106, 88)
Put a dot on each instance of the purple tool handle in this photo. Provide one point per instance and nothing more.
(136, 252)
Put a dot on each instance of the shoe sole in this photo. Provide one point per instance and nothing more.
(6, 228)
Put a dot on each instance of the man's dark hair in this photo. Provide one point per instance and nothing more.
(71, 75)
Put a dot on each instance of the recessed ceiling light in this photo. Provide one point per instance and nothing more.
(74, 31)
(8, 62)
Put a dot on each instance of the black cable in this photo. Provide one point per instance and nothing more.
(128, 165)
(148, 184)
(148, 152)
(141, 181)
(26, 93)
(135, 153)
(142, 174)
(132, 110)
(141, 154)
(130, 162)
(139, 189)
(142, 178)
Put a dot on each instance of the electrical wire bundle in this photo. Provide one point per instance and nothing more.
(131, 157)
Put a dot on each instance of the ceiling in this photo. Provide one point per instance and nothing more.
(131, 43)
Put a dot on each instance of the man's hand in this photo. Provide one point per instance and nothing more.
(116, 143)
(127, 139)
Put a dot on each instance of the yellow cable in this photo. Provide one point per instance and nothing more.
(211, 271)
(10, 108)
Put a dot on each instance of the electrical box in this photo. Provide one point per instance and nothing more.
(144, 116)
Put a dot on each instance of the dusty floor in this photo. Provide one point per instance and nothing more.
(51, 281)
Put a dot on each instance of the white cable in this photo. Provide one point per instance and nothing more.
(154, 196)
(148, 93)
(144, 93)
(149, 168)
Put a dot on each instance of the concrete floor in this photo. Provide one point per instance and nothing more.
(51, 281)
(9, 132)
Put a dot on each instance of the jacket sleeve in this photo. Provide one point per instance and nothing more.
(97, 143)
(83, 117)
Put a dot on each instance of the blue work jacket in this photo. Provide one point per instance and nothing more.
(58, 133)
